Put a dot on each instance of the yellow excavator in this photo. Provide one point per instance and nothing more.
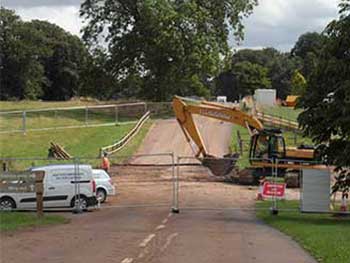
(266, 145)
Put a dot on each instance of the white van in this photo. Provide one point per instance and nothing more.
(62, 184)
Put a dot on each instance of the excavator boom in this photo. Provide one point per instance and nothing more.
(184, 112)
(185, 109)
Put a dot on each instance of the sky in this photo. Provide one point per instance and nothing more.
(274, 23)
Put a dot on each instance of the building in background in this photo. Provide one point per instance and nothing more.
(265, 97)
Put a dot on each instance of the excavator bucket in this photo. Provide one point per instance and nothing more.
(220, 166)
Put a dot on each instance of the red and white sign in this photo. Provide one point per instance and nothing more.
(270, 190)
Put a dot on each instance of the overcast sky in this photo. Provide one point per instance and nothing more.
(274, 23)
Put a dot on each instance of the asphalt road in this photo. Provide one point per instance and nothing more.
(215, 224)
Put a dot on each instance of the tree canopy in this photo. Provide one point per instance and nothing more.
(327, 98)
(163, 47)
(39, 60)
(298, 83)
(277, 70)
(307, 48)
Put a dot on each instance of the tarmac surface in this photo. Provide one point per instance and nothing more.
(216, 222)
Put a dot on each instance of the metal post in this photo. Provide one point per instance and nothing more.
(274, 209)
(116, 114)
(55, 119)
(24, 120)
(77, 205)
(86, 115)
(175, 208)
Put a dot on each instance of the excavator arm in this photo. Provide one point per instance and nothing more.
(184, 115)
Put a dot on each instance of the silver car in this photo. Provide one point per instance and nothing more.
(104, 184)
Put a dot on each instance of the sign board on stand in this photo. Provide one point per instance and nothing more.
(277, 190)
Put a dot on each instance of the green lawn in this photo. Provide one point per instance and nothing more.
(30, 104)
(326, 237)
(286, 113)
(78, 142)
(62, 118)
(10, 221)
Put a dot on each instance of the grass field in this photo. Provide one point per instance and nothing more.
(286, 113)
(10, 221)
(78, 142)
(29, 104)
(326, 237)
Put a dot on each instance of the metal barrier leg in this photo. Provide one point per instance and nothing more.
(175, 208)
(274, 208)
(77, 202)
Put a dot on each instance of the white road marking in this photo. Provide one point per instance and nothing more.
(160, 227)
(127, 260)
(165, 221)
(147, 240)
(168, 241)
(170, 214)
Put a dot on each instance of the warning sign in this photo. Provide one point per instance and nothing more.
(274, 189)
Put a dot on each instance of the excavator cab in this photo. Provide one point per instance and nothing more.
(267, 144)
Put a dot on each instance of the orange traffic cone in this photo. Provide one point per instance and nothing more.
(343, 207)
(259, 196)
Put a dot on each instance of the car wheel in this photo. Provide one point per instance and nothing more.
(83, 202)
(101, 195)
(7, 204)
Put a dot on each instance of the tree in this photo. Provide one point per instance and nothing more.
(249, 77)
(243, 79)
(167, 47)
(22, 75)
(307, 49)
(298, 83)
(280, 67)
(39, 60)
(327, 98)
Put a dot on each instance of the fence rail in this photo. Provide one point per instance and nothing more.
(120, 144)
(22, 121)
(69, 117)
(278, 122)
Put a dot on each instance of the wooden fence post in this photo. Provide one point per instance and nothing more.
(39, 190)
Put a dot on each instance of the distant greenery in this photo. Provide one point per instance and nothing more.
(37, 104)
(286, 113)
(327, 98)
(10, 221)
(39, 60)
(78, 142)
(279, 68)
(160, 48)
(326, 237)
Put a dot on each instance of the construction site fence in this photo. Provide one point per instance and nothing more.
(79, 117)
(181, 183)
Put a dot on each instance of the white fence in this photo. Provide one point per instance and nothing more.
(70, 117)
